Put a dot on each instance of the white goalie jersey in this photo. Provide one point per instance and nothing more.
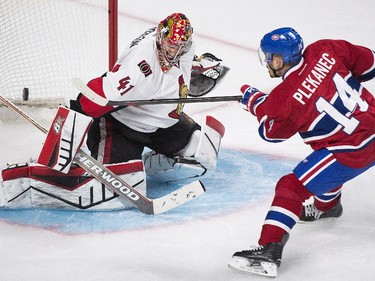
(137, 76)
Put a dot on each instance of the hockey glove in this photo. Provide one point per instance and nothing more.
(206, 64)
(206, 74)
(247, 93)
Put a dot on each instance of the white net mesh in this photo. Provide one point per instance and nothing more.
(45, 43)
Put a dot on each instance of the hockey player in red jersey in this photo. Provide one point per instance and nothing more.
(156, 65)
(321, 98)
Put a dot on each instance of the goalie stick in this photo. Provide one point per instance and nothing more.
(120, 187)
(90, 94)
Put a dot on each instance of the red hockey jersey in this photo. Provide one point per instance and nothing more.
(323, 100)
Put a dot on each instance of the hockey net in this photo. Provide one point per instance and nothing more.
(45, 43)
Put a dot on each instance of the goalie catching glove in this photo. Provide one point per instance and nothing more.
(206, 74)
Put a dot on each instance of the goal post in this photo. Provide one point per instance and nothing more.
(45, 43)
(112, 32)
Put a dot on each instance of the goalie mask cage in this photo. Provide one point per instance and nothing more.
(45, 43)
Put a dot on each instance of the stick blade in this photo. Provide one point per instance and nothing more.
(178, 197)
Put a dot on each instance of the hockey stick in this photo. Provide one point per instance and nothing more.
(120, 187)
(90, 94)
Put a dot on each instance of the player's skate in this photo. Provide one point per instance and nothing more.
(262, 260)
(311, 213)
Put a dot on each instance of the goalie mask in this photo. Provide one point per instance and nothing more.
(173, 39)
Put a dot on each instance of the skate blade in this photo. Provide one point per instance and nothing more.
(330, 219)
(254, 266)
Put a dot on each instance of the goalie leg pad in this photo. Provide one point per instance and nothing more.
(165, 169)
(64, 138)
(155, 162)
(207, 151)
(36, 186)
(192, 161)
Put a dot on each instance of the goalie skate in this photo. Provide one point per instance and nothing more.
(253, 266)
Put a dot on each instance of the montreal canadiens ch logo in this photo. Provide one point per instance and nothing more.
(145, 68)
(275, 37)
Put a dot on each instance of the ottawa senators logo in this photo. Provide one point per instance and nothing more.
(183, 93)
(145, 68)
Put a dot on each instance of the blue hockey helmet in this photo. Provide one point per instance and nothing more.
(285, 42)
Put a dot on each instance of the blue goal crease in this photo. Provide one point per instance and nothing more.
(241, 178)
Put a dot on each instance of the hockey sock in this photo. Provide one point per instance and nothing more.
(328, 200)
(285, 210)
